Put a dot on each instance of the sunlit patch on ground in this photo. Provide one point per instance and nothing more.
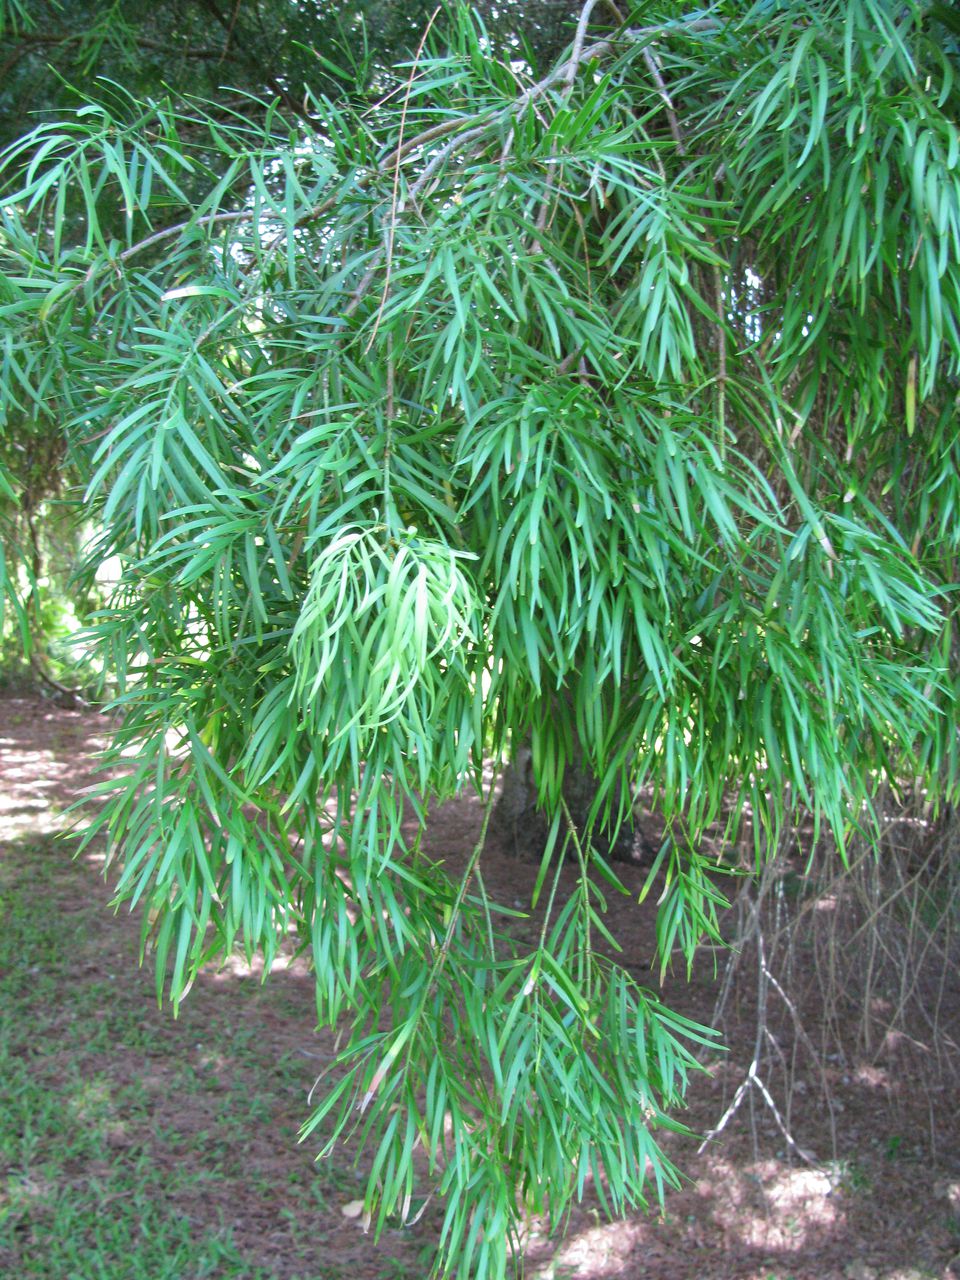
(29, 787)
(747, 1212)
(238, 966)
(769, 1205)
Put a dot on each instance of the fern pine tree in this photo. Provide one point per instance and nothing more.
(609, 406)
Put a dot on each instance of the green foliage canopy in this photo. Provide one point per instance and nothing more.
(611, 405)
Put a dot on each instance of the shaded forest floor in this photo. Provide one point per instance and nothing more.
(136, 1147)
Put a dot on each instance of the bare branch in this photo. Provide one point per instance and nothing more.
(650, 58)
(578, 41)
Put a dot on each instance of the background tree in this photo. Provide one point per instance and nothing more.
(227, 50)
(609, 404)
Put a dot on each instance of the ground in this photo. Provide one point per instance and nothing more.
(137, 1147)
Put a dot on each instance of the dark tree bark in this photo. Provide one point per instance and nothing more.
(524, 827)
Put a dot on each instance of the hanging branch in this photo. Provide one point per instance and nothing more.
(721, 359)
(676, 132)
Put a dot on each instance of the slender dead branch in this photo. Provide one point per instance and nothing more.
(753, 1078)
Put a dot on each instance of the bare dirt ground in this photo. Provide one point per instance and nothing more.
(878, 1197)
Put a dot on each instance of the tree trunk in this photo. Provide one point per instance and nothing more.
(524, 826)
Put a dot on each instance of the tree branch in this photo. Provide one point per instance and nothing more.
(573, 65)
(473, 127)
(650, 58)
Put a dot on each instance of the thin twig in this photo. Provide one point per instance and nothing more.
(391, 377)
(230, 30)
(441, 956)
(568, 361)
(209, 219)
(656, 74)
(650, 58)
(394, 197)
(26, 43)
(443, 155)
(578, 43)
(433, 134)
(721, 359)
(574, 835)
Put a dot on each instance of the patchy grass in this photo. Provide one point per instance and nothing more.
(136, 1148)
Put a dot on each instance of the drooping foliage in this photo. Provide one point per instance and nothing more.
(610, 405)
(56, 55)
